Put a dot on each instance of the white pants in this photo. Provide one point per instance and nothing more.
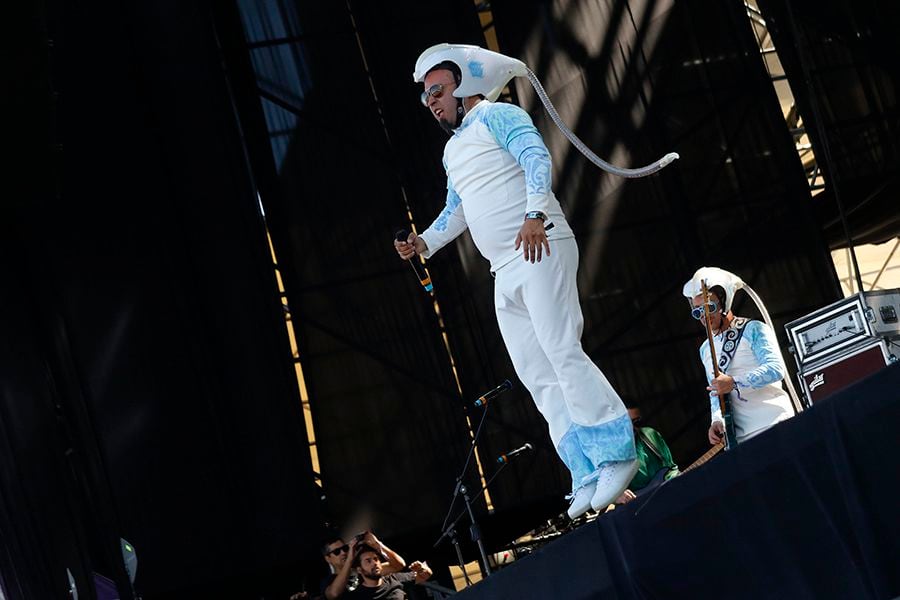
(541, 323)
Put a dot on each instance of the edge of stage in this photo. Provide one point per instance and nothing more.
(806, 510)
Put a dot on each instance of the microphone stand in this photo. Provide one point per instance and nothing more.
(460, 488)
(451, 533)
(475, 531)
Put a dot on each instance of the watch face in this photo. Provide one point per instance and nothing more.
(831, 332)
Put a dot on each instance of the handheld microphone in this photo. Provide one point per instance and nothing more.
(424, 277)
(487, 397)
(504, 458)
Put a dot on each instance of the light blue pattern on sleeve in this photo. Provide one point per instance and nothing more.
(569, 451)
(512, 128)
(765, 348)
(453, 202)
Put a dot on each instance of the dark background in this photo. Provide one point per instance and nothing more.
(148, 389)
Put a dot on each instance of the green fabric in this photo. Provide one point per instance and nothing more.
(648, 461)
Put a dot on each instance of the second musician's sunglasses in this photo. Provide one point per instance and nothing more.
(338, 550)
(435, 91)
(697, 313)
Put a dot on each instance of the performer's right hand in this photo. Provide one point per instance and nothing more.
(716, 432)
(412, 246)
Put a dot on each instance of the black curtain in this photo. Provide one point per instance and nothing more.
(842, 61)
(145, 349)
(48, 518)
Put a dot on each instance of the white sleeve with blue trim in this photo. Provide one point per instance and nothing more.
(448, 225)
(765, 348)
(514, 131)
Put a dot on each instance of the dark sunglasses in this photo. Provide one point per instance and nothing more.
(435, 91)
(338, 550)
(697, 313)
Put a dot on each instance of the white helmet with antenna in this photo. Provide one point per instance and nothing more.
(486, 73)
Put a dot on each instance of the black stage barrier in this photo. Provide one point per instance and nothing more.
(805, 510)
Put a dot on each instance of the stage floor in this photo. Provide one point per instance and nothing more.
(809, 509)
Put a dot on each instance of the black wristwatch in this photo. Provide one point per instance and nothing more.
(535, 214)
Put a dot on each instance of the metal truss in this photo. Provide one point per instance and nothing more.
(780, 82)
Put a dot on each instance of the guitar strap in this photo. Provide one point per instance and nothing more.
(730, 342)
(646, 439)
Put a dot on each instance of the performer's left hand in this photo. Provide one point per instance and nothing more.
(534, 239)
(722, 384)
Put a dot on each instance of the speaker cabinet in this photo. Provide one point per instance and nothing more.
(822, 379)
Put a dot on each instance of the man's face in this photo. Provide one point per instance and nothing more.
(336, 560)
(370, 565)
(715, 317)
(443, 105)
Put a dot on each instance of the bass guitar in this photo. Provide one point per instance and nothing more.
(724, 400)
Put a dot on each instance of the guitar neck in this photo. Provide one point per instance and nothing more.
(706, 456)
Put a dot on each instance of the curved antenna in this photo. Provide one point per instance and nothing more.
(768, 319)
(587, 152)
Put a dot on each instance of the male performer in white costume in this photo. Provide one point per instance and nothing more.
(748, 356)
(498, 185)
